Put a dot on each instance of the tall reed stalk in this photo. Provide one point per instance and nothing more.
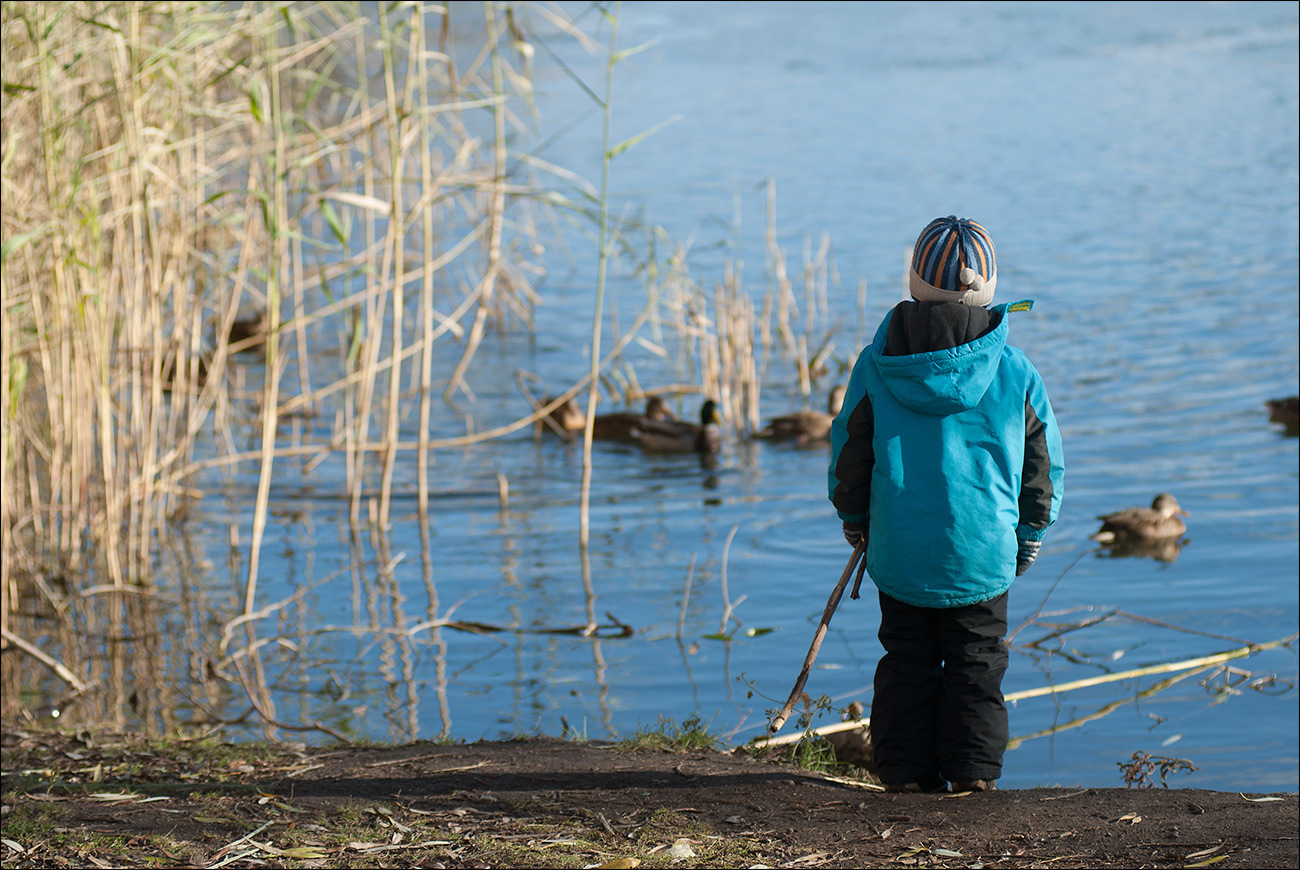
(602, 265)
(605, 241)
(211, 218)
(171, 171)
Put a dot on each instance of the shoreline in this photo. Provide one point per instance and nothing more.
(543, 802)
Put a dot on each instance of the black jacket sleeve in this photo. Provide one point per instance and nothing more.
(854, 465)
(1036, 487)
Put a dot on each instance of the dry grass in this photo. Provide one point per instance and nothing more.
(234, 237)
(188, 186)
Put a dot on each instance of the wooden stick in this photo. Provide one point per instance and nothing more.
(1163, 668)
(831, 604)
(833, 728)
(857, 581)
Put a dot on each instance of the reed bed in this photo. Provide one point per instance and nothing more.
(235, 238)
(188, 187)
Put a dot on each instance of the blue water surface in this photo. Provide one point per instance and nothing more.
(1137, 167)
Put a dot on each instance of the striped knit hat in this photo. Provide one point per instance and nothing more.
(953, 261)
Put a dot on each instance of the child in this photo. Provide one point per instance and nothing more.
(946, 461)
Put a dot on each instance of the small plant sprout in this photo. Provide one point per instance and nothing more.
(1137, 771)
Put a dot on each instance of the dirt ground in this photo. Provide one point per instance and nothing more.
(80, 801)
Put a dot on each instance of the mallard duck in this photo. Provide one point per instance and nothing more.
(1285, 411)
(619, 426)
(248, 334)
(198, 371)
(678, 436)
(805, 426)
(853, 746)
(1143, 524)
(564, 421)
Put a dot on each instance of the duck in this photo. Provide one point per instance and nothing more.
(619, 426)
(198, 371)
(1143, 524)
(248, 334)
(679, 436)
(565, 420)
(853, 745)
(1285, 411)
(806, 426)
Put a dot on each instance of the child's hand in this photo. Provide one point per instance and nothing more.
(855, 533)
(1026, 555)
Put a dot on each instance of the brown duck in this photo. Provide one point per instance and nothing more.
(620, 426)
(678, 436)
(564, 421)
(853, 746)
(808, 425)
(1285, 411)
(249, 334)
(1143, 524)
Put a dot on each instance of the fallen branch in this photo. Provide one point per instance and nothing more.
(1196, 664)
(1166, 668)
(44, 658)
(768, 742)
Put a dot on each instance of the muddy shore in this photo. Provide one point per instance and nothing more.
(107, 800)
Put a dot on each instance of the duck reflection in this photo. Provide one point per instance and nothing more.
(1163, 550)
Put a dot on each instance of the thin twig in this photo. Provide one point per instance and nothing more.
(727, 606)
(686, 597)
(44, 658)
(1050, 590)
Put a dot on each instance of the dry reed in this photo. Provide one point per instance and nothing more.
(172, 170)
(214, 226)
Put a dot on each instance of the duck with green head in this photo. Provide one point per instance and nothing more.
(679, 436)
(620, 426)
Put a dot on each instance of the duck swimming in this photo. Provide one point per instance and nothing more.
(249, 334)
(1143, 524)
(678, 436)
(619, 427)
(805, 426)
(564, 420)
(1285, 411)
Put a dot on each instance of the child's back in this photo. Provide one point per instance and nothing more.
(947, 459)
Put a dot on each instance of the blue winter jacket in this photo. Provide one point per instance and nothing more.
(948, 456)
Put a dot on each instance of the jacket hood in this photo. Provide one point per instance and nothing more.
(947, 381)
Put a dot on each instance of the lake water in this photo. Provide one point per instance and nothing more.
(1137, 167)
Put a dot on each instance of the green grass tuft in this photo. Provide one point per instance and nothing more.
(690, 735)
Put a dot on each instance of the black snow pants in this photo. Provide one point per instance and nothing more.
(938, 713)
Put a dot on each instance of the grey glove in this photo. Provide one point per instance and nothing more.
(855, 533)
(1026, 554)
